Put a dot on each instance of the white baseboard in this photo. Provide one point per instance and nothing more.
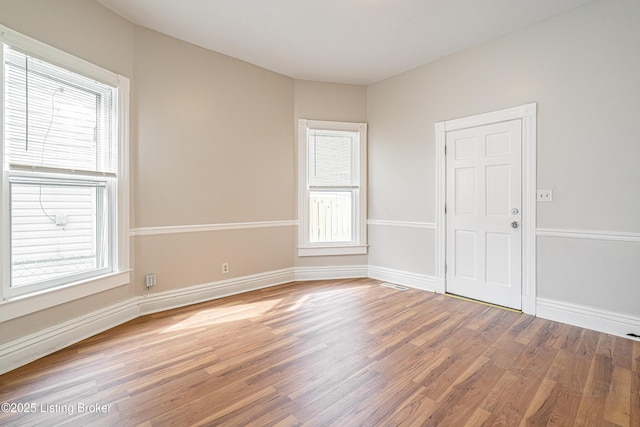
(327, 273)
(406, 278)
(32, 347)
(161, 301)
(588, 317)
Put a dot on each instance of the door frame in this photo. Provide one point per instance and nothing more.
(527, 114)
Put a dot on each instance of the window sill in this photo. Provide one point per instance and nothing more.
(37, 301)
(332, 250)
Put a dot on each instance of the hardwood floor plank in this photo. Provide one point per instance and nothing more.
(510, 398)
(371, 407)
(341, 353)
(571, 339)
(539, 410)
(471, 370)
(326, 403)
(623, 353)
(246, 411)
(606, 345)
(322, 380)
(570, 371)
(504, 350)
(457, 407)
(635, 354)
(531, 331)
(596, 390)
(289, 421)
(617, 407)
(415, 411)
(534, 360)
(433, 327)
(481, 418)
(634, 413)
(588, 344)
(482, 318)
(437, 358)
(564, 409)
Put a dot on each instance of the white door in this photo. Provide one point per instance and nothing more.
(483, 213)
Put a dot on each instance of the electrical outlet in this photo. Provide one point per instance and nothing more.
(61, 220)
(225, 267)
(544, 195)
(150, 280)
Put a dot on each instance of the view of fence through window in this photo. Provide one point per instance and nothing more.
(330, 216)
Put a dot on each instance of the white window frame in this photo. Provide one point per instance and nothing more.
(359, 212)
(13, 305)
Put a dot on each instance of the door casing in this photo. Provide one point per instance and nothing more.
(527, 114)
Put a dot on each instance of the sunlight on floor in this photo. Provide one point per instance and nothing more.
(235, 312)
(215, 316)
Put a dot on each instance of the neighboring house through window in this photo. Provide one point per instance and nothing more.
(332, 188)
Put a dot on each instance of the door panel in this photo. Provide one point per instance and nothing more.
(465, 183)
(465, 243)
(483, 189)
(498, 188)
(498, 249)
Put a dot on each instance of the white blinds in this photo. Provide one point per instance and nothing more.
(57, 119)
(332, 158)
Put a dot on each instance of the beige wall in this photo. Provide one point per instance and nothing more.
(330, 102)
(215, 146)
(214, 137)
(582, 69)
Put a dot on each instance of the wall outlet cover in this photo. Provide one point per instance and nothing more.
(544, 195)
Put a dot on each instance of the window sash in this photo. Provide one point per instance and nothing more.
(57, 119)
(49, 234)
(332, 158)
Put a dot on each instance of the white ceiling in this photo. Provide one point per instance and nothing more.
(345, 41)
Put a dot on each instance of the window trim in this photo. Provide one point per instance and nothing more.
(119, 275)
(359, 244)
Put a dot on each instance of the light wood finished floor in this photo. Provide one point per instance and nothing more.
(343, 353)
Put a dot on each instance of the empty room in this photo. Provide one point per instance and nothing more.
(323, 212)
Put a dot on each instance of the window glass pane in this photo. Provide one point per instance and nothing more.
(57, 230)
(331, 158)
(330, 216)
(56, 118)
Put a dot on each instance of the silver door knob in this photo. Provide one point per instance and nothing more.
(514, 224)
